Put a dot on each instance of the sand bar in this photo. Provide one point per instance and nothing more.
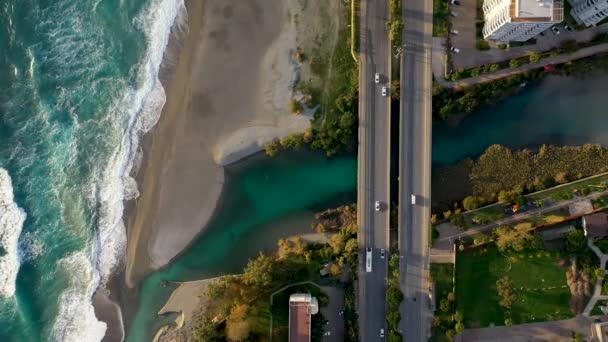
(227, 95)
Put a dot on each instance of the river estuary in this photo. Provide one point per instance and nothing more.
(269, 198)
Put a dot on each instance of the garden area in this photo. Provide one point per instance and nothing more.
(441, 20)
(537, 279)
(510, 285)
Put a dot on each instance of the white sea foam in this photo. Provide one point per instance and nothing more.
(76, 319)
(11, 223)
(144, 104)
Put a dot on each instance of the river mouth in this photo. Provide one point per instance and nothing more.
(269, 198)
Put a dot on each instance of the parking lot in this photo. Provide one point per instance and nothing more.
(469, 56)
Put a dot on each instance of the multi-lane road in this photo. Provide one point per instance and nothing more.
(415, 168)
(374, 167)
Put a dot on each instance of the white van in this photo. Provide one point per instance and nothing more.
(413, 199)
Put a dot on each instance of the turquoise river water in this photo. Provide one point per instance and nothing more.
(270, 198)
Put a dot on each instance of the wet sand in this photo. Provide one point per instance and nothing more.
(227, 95)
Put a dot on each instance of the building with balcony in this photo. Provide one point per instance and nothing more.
(589, 12)
(519, 20)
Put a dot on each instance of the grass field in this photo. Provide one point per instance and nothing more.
(477, 271)
(594, 184)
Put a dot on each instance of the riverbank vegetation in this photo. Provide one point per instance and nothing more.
(333, 90)
(450, 103)
(239, 306)
(502, 174)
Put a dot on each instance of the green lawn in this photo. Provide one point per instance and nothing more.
(477, 271)
(485, 215)
(440, 18)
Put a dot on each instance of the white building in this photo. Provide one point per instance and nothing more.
(589, 12)
(519, 20)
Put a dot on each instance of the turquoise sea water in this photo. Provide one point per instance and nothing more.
(78, 84)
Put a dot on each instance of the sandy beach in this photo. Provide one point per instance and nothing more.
(227, 95)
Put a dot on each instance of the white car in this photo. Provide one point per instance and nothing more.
(454, 32)
(384, 91)
(455, 49)
(381, 333)
(377, 205)
(555, 30)
(382, 253)
(377, 78)
(413, 199)
(455, 3)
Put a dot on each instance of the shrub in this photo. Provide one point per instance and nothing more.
(471, 202)
(482, 44)
(272, 149)
(534, 57)
(295, 107)
(514, 63)
(494, 67)
(475, 72)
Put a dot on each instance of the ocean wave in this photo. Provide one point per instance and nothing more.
(145, 104)
(11, 223)
(76, 320)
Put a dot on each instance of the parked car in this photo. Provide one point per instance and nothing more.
(381, 333)
(455, 49)
(377, 205)
(555, 30)
(384, 91)
(455, 3)
(454, 32)
(377, 78)
(453, 14)
(382, 253)
(568, 28)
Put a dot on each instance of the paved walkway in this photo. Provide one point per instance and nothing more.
(452, 235)
(543, 331)
(597, 292)
(565, 57)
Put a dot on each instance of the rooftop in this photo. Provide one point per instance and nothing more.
(299, 322)
(595, 225)
(538, 10)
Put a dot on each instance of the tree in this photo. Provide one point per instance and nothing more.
(272, 148)
(394, 296)
(451, 296)
(206, 331)
(238, 326)
(351, 247)
(494, 67)
(534, 57)
(458, 316)
(393, 317)
(577, 337)
(295, 141)
(471, 202)
(514, 63)
(444, 305)
(508, 322)
(334, 270)
(459, 327)
(504, 287)
(561, 178)
(575, 241)
(518, 238)
(450, 334)
(258, 272)
(436, 321)
(337, 243)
